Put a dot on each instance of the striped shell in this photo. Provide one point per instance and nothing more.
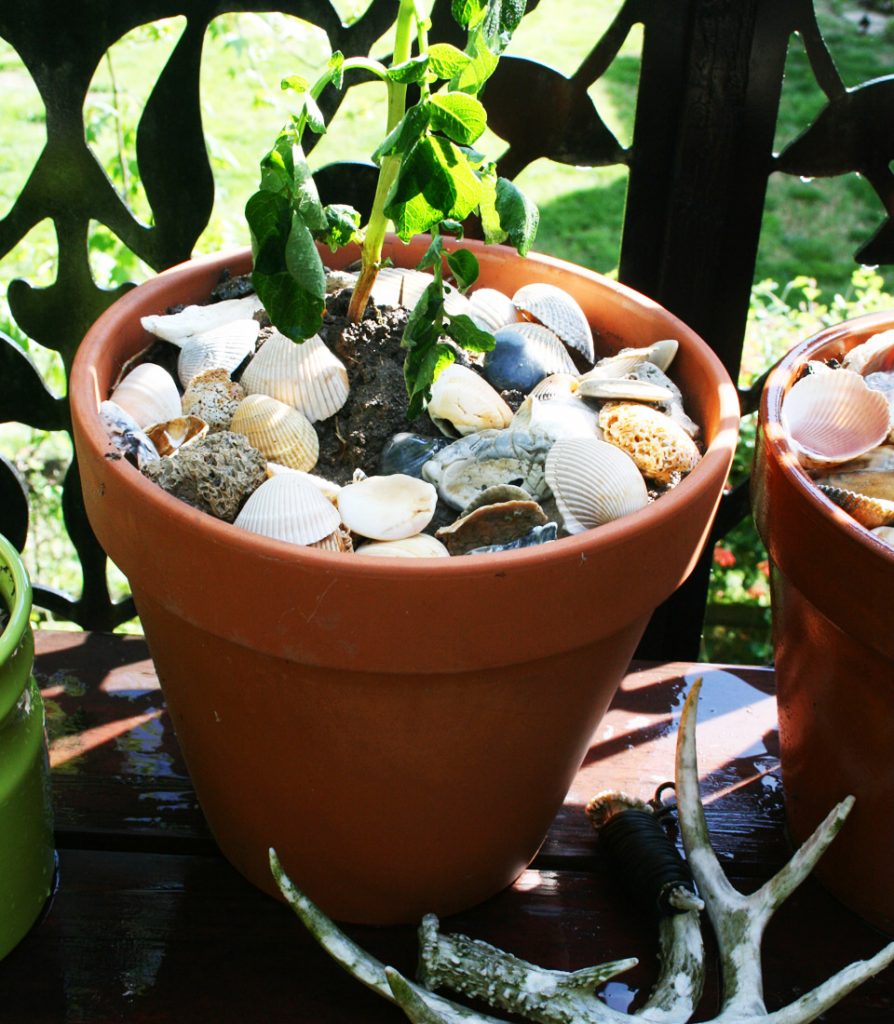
(560, 312)
(192, 320)
(279, 432)
(491, 309)
(869, 512)
(660, 447)
(421, 545)
(463, 403)
(171, 436)
(593, 482)
(399, 286)
(834, 417)
(307, 375)
(149, 394)
(286, 507)
(328, 489)
(222, 348)
(387, 507)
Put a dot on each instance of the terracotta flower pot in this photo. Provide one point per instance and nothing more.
(402, 731)
(832, 593)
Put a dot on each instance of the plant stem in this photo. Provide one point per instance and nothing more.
(374, 238)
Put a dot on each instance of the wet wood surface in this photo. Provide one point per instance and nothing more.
(150, 924)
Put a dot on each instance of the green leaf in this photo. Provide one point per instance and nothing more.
(433, 254)
(305, 197)
(487, 208)
(410, 71)
(315, 120)
(465, 333)
(424, 324)
(292, 310)
(335, 66)
(277, 166)
(303, 261)
(342, 225)
(446, 61)
(296, 83)
(468, 12)
(406, 133)
(482, 65)
(269, 220)
(452, 227)
(423, 372)
(459, 116)
(519, 217)
(500, 21)
(464, 267)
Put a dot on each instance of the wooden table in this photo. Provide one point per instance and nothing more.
(150, 924)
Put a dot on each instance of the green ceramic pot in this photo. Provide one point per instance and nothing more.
(27, 856)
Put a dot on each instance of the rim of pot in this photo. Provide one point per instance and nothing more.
(15, 594)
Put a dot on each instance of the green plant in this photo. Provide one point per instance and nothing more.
(430, 180)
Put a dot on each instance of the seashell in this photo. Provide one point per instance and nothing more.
(659, 354)
(834, 417)
(193, 320)
(491, 309)
(125, 435)
(883, 381)
(172, 435)
(555, 386)
(336, 280)
(608, 389)
(523, 354)
(421, 545)
(399, 286)
(339, 540)
(560, 312)
(149, 394)
(328, 489)
(885, 534)
(212, 396)
(874, 355)
(307, 375)
(593, 483)
(286, 507)
(868, 512)
(464, 403)
(871, 474)
(661, 449)
(407, 453)
(539, 535)
(222, 348)
(387, 507)
(489, 525)
(568, 417)
(496, 495)
(280, 432)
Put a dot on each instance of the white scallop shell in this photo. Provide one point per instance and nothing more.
(834, 417)
(328, 489)
(307, 375)
(593, 482)
(286, 507)
(400, 286)
(422, 545)
(280, 432)
(465, 402)
(387, 507)
(874, 355)
(560, 312)
(177, 327)
(556, 386)
(543, 343)
(149, 394)
(658, 445)
(491, 309)
(221, 348)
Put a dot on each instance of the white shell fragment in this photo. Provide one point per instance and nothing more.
(178, 327)
(629, 360)
(560, 312)
(491, 309)
(222, 348)
(307, 375)
(422, 545)
(286, 507)
(399, 286)
(279, 432)
(463, 403)
(874, 355)
(387, 507)
(149, 394)
(632, 389)
(593, 482)
(171, 436)
(125, 434)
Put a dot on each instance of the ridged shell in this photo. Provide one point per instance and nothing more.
(149, 394)
(307, 375)
(608, 389)
(279, 432)
(524, 354)
(465, 402)
(222, 348)
(387, 507)
(339, 540)
(560, 312)
(660, 447)
(192, 320)
(874, 355)
(399, 286)
(868, 512)
(421, 545)
(556, 387)
(288, 508)
(171, 436)
(593, 483)
(660, 354)
(557, 417)
(491, 309)
(834, 417)
(328, 489)
(213, 397)
(489, 525)
(871, 474)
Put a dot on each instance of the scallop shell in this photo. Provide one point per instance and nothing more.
(171, 436)
(874, 355)
(834, 417)
(421, 545)
(631, 389)
(556, 386)
(328, 489)
(399, 286)
(387, 507)
(661, 448)
(593, 483)
(628, 360)
(222, 348)
(491, 525)
(286, 507)
(868, 512)
(560, 312)
(280, 432)
(339, 540)
(193, 320)
(464, 403)
(523, 355)
(149, 394)
(214, 397)
(491, 309)
(307, 375)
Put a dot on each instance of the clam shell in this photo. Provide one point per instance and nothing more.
(421, 545)
(464, 403)
(399, 286)
(661, 448)
(593, 483)
(280, 432)
(408, 453)
(125, 434)
(560, 312)
(307, 375)
(558, 417)
(556, 386)
(834, 417)
(192, 320)
(539, 535)
(883, 381)
(871, 474)
(387, 507)
(172, 435)
(874, 355)
(222, 348)
(214, 397)
(628, 360)
(328, 489)
(497, 495)
(523, 354)
(491, 525)
(632, 389)
(149, 394)
(868, 512)
(286, 507)
(491, 309)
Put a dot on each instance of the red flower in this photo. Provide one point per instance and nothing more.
(723, 556)
(764, 568)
